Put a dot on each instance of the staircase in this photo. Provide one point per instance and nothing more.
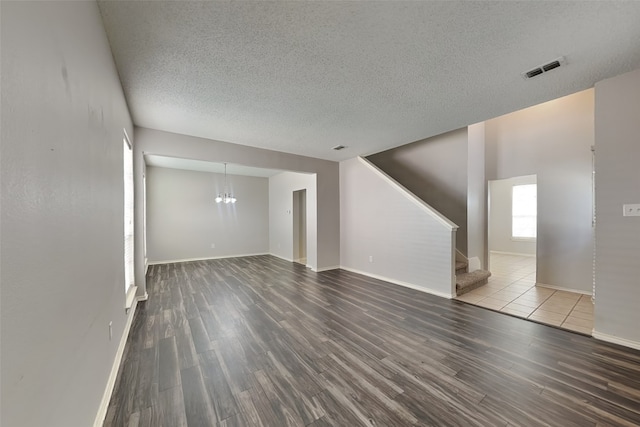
(466, 281)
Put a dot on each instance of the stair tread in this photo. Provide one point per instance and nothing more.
(467, 279)
(461, 264)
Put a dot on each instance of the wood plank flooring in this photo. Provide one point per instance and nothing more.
(258, 341)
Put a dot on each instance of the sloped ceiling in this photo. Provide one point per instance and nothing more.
(302, 77)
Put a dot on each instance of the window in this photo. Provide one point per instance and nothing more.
(524, 212)
(127, 157)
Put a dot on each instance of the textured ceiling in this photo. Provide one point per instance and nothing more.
(302, 77)
(203, 166)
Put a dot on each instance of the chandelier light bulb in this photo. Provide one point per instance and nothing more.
(225, 197)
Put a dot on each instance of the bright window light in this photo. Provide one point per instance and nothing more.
(524, 212)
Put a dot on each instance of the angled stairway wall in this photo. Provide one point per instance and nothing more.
(434, 169)
(389, 233)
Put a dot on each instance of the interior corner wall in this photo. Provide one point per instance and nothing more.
(62, 246)
(435, 170)
(281, 188)
(617, 131)
(150, 141)
(553, 141)
(501, 218)
(184, 220)
(476, 196)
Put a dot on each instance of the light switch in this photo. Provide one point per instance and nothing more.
(631, 210)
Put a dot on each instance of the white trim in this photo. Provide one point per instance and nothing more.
(283, 258)
(523, 239)
(171, 261)
(400, 283)
(409, 195)
(461, 257)
(320, 270)
(131, 296)
(615, 340)
(562, 288)
(512, 253)
(126, 136)
(143, 297)
(308, 265)
(111, 381)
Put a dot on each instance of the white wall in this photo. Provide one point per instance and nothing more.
(435, 170)
(149, 141)
(62, 250)
(183, 219)
(501, 219)
(617, 310)
(476, 197)
(409, 245)
(281, 223)
(553, 141)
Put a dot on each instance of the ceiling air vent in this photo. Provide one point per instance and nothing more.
(544, 68)
(339, 147)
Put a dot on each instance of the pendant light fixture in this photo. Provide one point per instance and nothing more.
(225, 197)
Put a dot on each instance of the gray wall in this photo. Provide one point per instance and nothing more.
(476, 198)
(553, 141)
(62, 250)
(183, 219)
(617, 310)
(299, 225)
(500, 217)
(149, 141)
(390, 234)
(281, 222)
(434, 169)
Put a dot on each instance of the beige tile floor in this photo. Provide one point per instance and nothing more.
(512, 289)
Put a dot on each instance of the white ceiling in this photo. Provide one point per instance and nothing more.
(302, 77)
(203, 166)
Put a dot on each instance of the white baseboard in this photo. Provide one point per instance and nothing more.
(111, 382)
(320, 270)
(561, 288)
(281, 257)
(615, 340)
(512, 253)
(172, 261)
(400, 283)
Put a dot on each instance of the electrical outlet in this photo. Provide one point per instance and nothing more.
(631, 210)
(110, 330)
(370, 258)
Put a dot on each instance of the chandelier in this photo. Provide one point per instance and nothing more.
(225, 197)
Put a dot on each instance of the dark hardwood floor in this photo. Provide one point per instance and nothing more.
(258, 341)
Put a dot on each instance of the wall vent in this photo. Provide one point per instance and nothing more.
(544, 68)
(339, 147)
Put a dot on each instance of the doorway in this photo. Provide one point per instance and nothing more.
(300, 226)
(513, 211)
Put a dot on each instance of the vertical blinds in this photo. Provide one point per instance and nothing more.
(127, 155)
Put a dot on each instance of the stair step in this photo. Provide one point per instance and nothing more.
(461, 267)
(466, 282)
